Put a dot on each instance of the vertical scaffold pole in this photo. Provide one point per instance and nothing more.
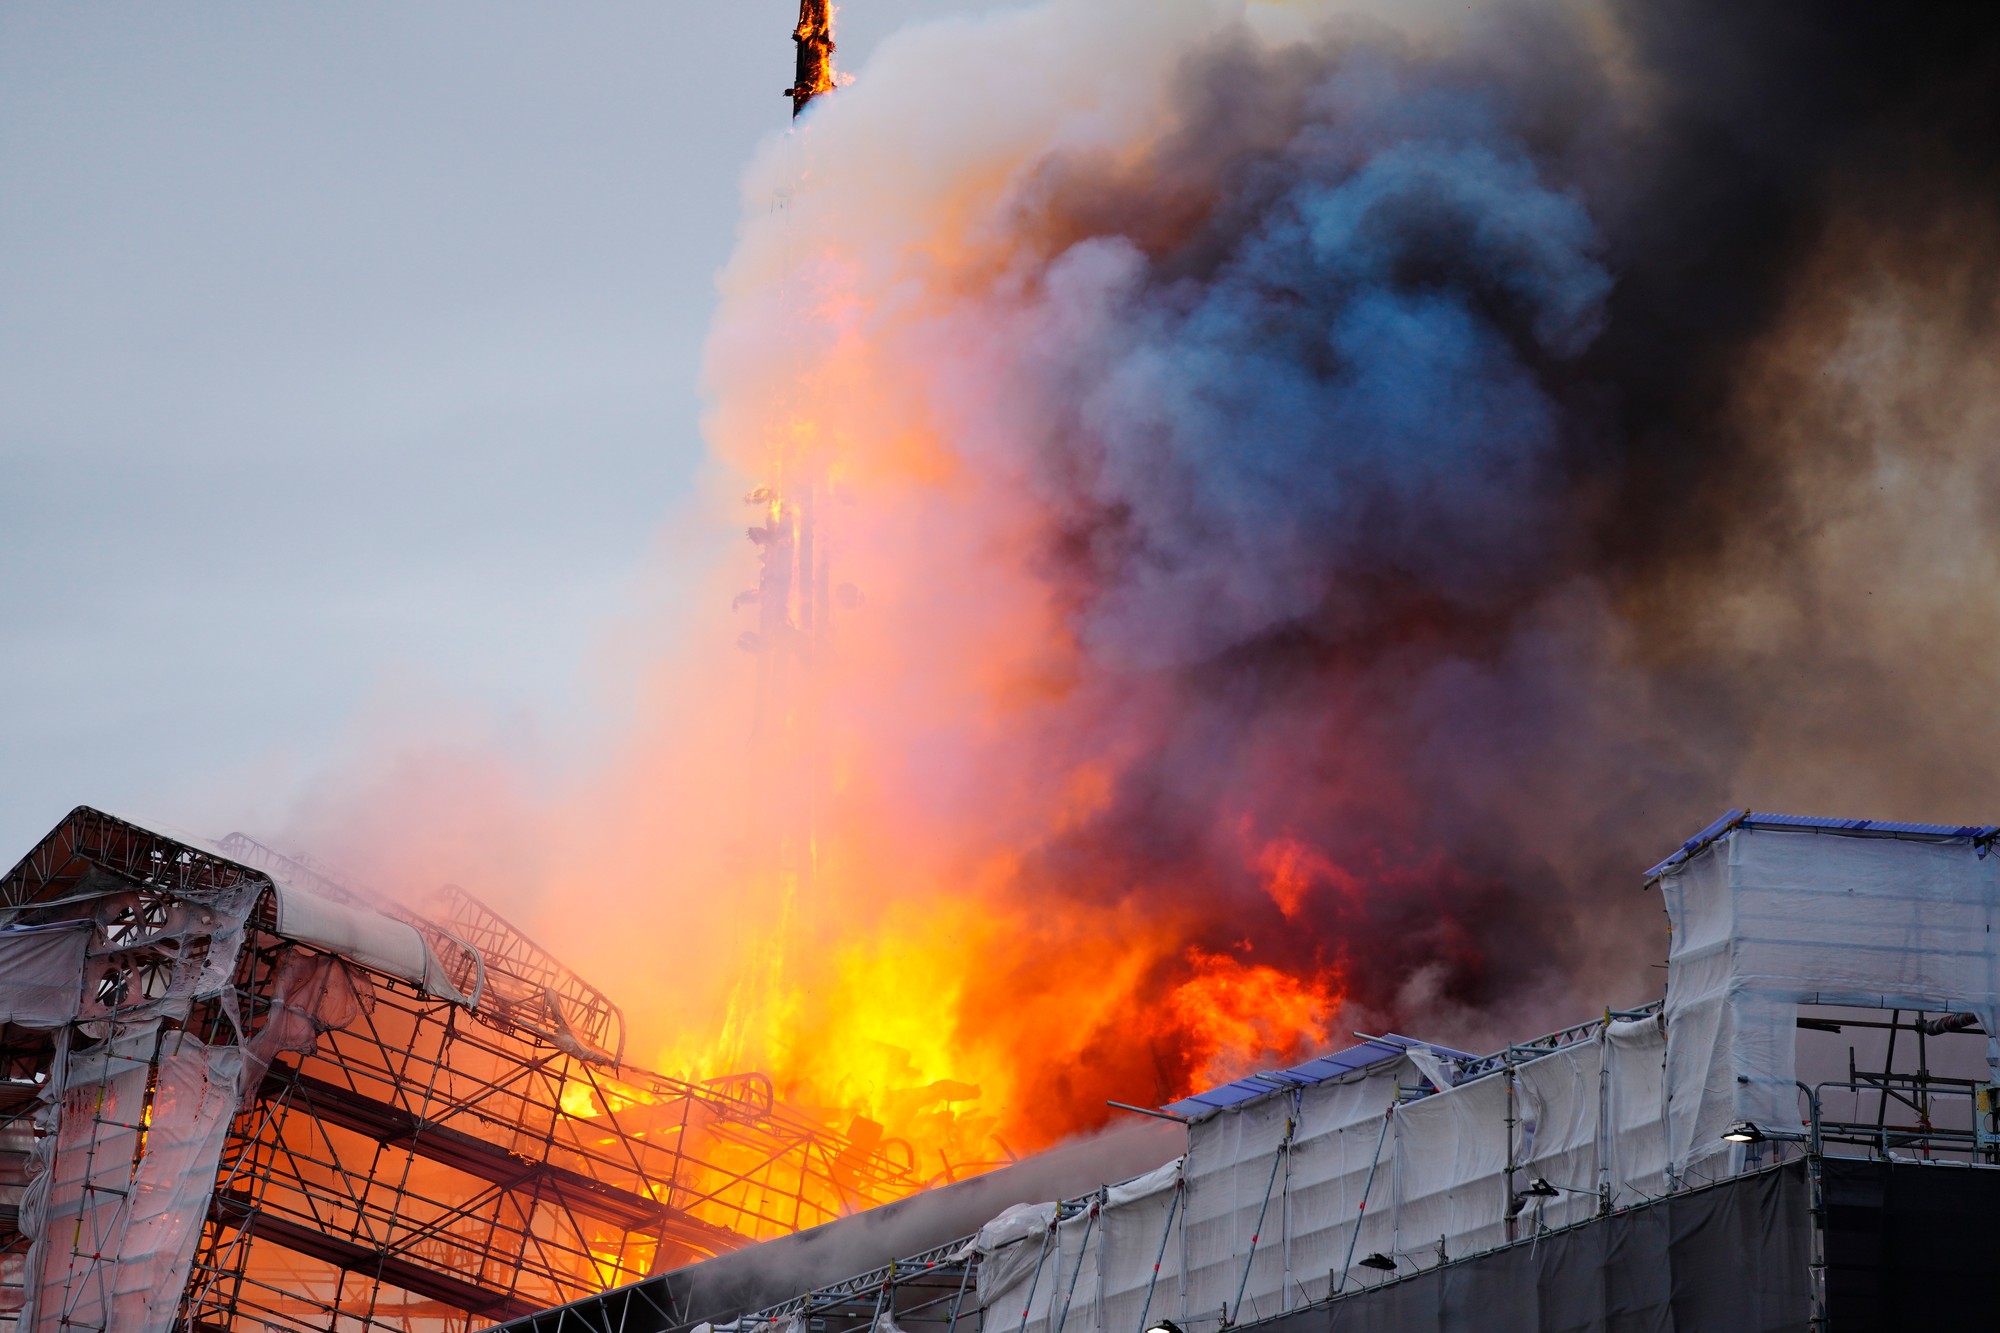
(1082, 1248)
(1284, 1151)
(1173, 1205)
(1361, 1213)
(1028, 1305)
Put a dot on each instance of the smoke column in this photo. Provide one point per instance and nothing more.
(1322, 503)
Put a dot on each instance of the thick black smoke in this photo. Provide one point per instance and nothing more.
(1395, 417)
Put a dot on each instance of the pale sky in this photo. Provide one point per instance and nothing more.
(345, 350)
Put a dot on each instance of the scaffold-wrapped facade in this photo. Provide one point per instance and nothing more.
(237, 1093)
(1807, 1121)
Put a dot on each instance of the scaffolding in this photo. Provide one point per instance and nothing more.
(923, 1293)
(380, 1135)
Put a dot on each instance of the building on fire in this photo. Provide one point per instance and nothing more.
(240, 1093)
(237, 1093)
(1803, 1132)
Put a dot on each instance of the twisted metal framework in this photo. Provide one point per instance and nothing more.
(432, 1163)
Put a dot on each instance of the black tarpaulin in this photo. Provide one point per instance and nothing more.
(1731, 1258)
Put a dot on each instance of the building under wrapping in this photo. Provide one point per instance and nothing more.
(239, 1094)
(1802, 1130)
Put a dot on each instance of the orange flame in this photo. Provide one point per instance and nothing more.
(931, 963)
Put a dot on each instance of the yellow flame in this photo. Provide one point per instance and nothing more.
(577, 1100)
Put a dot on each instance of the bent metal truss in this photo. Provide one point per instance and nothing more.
(243, 1094)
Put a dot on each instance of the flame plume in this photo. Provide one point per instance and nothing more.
(1322, 492)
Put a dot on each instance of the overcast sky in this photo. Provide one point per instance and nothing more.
(345, 349)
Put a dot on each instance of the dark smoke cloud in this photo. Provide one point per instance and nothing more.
(1390, 421)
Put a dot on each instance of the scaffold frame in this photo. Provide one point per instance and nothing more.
(428, 1158)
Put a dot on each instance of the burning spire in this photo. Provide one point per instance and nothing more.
(814, 36)
(791, 644)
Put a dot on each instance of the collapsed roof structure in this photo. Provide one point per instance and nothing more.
(237, 1092)
(1828, 1031)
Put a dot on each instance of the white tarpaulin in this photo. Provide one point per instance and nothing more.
(1235, 1174)
(1344, 1138)
(1635, 1149)
(1140, 1228)
(1014, 1251)
(1261, 1217)
(1449, 1188)
(1766, 919)
(41, 973)
(120, 1181)
(1267, 1211)
(369, 938)
(313, 994)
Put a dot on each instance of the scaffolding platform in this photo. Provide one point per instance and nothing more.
(238, 1092)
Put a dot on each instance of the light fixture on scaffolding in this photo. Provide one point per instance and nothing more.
(1380, 1262)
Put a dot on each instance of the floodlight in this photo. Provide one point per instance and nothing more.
(1541, 1189)
(1380, 1261)
(1743, 1131)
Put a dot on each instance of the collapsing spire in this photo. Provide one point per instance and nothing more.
(814, 36)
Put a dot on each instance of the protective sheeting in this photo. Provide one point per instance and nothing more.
(1733, 1257)
(312, 994)
(1139, 1262)
(1449, 1189)
(121, 1187)
(318, 909)
(41, 973)
(133, 1115)
(1278, 1199)
(1291, 1180)
(1013, 1248)
(1342, 1157)
(1434, 1171)
(1908, 1245)
(130, 1121)
(1635, 1150)
(367, 937)
(153, 954)
(1235, 1170)
(1769, 917)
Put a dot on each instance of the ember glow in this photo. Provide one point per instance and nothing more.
(1300, 505)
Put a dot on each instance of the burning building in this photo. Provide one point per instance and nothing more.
(1308, 500)
(243, 1094)
(240, 1093)
(1804, 1131)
